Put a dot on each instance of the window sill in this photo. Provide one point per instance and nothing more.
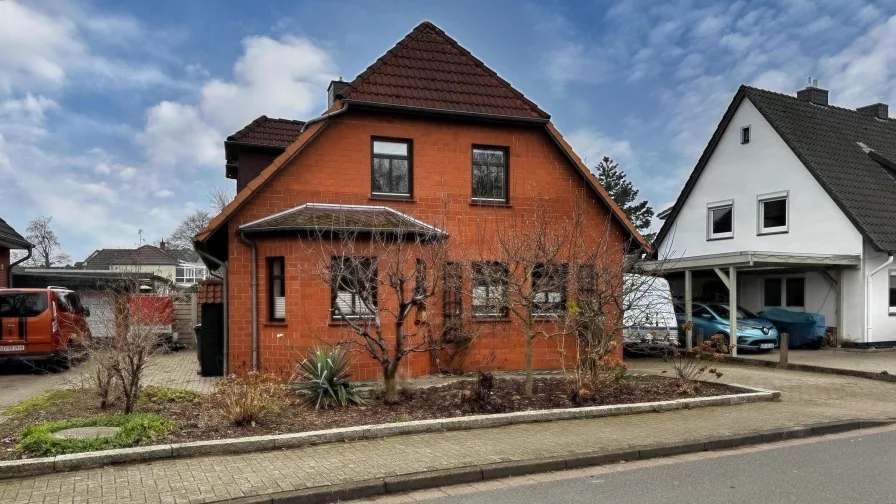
(339, 323)
(386, 197)
(485, 203)
(275, 323)
(766, 233)
(717, 238)
(485, 320)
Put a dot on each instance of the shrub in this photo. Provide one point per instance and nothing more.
(325, 373)
(689, 366)
(245, 400)
(38, 402)
(136, 429)
(481, 398)
(158, 394)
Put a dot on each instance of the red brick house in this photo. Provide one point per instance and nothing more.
(9, 240)
(422, 113)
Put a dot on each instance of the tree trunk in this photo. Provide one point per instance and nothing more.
(530, 349)
(391, 383)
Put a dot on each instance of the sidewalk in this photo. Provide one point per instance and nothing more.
(806, 399)
(872, 362)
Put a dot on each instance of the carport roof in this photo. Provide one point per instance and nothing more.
(750, 259)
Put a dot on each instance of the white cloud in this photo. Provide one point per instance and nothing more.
(175, 133)
(592, 145)
(128, 173)
(102, 169)
(863, 72)
(164, 194)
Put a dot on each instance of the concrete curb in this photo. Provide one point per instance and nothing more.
(472, 474)
(881, 376)
(89, 460)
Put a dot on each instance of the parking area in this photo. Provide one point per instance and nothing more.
(176, 369)
(871, 361)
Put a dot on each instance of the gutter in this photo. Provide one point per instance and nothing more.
(869, 294)
(20, 261)
(323, 117)
(254, 283)
(226, 303)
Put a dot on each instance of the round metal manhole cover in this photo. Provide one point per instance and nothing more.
(86, 432)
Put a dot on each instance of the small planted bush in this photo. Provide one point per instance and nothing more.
(38, 402)
(157, 394)
(246, 399)
(135, 429)
(325, 379)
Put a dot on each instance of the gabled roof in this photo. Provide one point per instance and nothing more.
(270, 132)
(183, 255)
(428, 69)
(147, 254)
(321, 217)
(846, 151)
(9, 236)
(101, 259)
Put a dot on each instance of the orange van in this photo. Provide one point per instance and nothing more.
(45, 325)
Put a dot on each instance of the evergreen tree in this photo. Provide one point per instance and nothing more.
(625, 195)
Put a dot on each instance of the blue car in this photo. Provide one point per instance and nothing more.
(711, 318)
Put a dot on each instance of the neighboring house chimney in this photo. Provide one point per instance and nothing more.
(333, 92)
(163, 245)
(879, 110)
(813, 94)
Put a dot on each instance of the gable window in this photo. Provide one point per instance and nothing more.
(354, 287)
(490, 174)
(276, 290)
(549, 285)
(892, 303)
(391, 170)
(720, 220)
(490, 289)
(745, 135)
(773, 213)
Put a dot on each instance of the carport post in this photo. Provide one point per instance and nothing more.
(688, 310)
(732, 309)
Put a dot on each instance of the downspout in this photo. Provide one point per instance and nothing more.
(254, 284)
(13, 265)
(322, 117)
(869, 296)
(226, 304)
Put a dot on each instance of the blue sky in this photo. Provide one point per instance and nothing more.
(113, 114)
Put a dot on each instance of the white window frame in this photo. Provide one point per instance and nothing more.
(749, 131)
(890, 285)
(719, 205)
(761, 200)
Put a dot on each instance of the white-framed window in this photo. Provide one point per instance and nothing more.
(189, 274)
(745, 134)
(720, 220)
(784, 292)
(773, 213)
(891, 306)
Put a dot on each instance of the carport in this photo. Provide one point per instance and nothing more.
(727, 266)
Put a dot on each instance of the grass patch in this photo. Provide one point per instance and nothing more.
(157, 394)
(38, 402)
(136, 429)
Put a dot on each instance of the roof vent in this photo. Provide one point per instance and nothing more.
(878, 110)
(813, 94)
(335, 90)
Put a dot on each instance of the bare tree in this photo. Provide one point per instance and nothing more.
(47, 250)
(220, 197)
(182, 237)
(379, 280)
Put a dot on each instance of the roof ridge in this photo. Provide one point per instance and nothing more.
(836, 107)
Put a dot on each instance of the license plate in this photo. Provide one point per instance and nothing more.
(765, 346)
(12, 348)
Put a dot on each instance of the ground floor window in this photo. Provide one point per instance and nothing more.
(789, 292)
(490, 289)
(549, 285)
(354, 287)
(277, 291)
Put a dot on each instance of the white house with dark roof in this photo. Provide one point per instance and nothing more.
(181, 266)
(793, 205)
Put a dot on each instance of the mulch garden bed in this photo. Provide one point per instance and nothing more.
(197, 420)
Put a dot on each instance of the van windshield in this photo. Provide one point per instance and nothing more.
(22, 304)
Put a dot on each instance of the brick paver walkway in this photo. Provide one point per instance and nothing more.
(177, 369)
(806, 398)
(873, 362)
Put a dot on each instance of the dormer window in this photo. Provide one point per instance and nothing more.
(745, 135)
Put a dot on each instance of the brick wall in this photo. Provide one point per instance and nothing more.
(4, 267)
(335, 168)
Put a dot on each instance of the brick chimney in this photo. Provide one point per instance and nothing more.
(813, 94)
(333, 92)
(163, 245)
(879, 110)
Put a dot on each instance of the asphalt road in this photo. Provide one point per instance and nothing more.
(859, 469)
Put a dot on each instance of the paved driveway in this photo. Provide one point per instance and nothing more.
(874, 362)
(176, 369)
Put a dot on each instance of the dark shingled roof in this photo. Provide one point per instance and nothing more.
(147, 254)
(430, 70)
(102, 259)
(269, 132)
(325, 217)
(9, 236)
(827, 141)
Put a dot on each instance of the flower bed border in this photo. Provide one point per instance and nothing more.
(87, 460)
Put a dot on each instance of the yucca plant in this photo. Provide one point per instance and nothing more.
(325, 382)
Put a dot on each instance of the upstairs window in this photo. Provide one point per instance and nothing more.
(391, 170)
(549, 285)
(276, 290)
(490, 289)
(354, 287)
(773, 213)
(490, 174)
(720, 220)
(745, 135)
(892, 304)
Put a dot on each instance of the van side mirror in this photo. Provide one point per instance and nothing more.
(86, 311)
